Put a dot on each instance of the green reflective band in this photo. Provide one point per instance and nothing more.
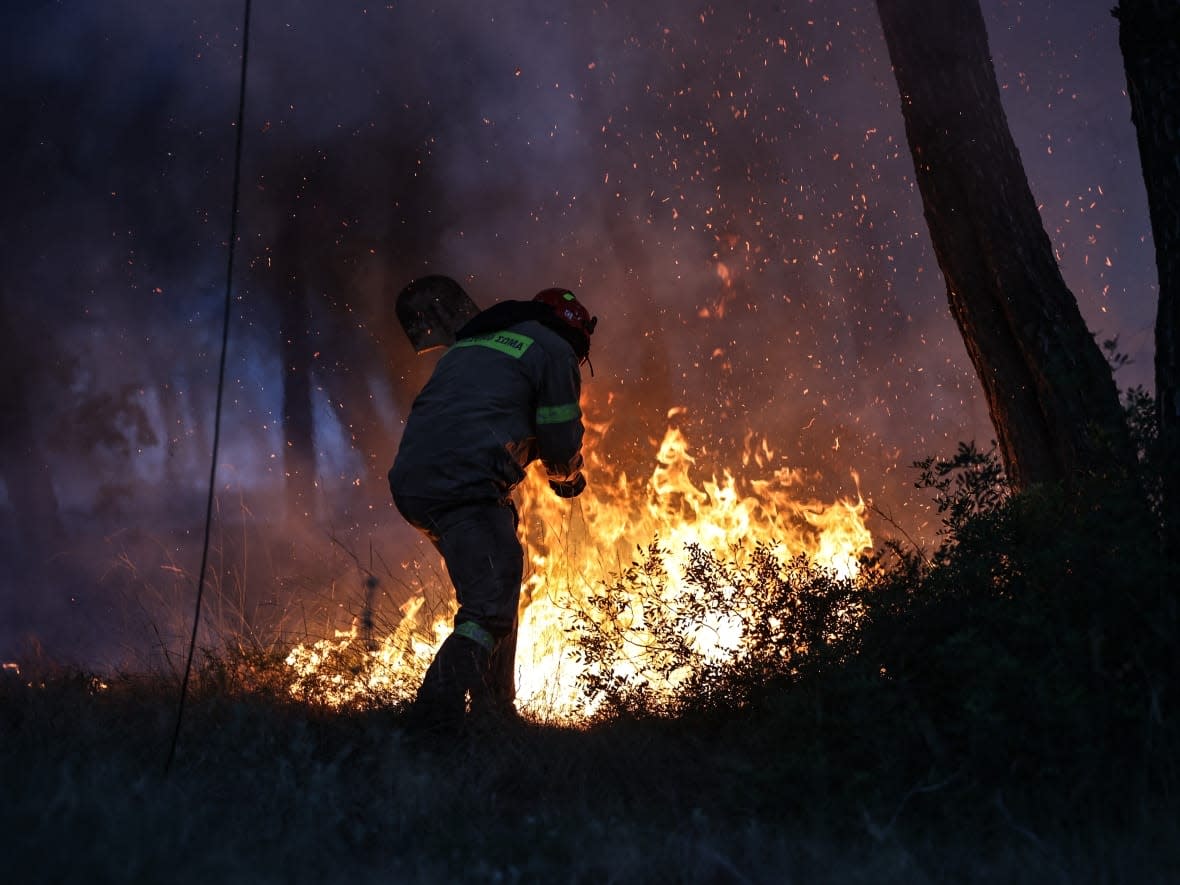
(476, 633)
(558, 414)
(511, 343)
(569, 296)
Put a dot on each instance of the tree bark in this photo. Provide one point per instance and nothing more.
(1149, 37)
(1050, 391)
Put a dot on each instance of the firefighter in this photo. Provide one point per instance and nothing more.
(504, 395)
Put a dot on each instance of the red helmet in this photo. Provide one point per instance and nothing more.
(569, 310)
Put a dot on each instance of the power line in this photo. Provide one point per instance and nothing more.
(229, 275)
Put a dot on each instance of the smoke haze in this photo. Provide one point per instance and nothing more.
(726, 186)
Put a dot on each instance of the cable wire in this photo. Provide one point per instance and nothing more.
(229, 275)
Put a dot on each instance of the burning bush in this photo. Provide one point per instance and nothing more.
(724, 574)
(738, 624)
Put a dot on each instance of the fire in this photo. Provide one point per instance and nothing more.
(574, 548)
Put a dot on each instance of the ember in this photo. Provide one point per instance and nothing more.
(573, 551)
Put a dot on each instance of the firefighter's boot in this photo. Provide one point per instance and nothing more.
(497, 705)
(459, 669)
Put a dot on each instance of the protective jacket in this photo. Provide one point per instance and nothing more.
(505, 395)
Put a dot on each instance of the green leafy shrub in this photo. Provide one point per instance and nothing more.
(1038, 641)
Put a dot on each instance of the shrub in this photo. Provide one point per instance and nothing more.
(1038, 641)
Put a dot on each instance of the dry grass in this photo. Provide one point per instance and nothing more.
(1007, 716)
(268, 790)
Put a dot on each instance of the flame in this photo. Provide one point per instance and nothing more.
(574, 547)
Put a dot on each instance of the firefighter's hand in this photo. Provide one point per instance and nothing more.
(569, 489)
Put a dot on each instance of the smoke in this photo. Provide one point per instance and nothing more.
(728, 189)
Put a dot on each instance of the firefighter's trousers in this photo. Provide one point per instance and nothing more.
(485, 561)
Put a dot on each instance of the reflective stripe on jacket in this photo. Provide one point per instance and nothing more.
(494, 404)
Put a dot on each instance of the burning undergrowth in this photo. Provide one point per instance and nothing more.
(735, 625)
(636, 593)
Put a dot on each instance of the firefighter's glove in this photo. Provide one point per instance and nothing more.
(569, 489)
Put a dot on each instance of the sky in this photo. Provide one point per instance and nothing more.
(727, 186)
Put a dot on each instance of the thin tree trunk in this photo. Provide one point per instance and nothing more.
(1149, 37)
(24, 466)
(1050, 392)
(295, 350)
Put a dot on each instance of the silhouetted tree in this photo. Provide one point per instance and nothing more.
(27, 357)
(1149, 37)
(295, 352)
(1049, 389)
(310, 289)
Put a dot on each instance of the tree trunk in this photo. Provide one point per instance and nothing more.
(1050, 391)
(24, 467)
(1149, 37)
(295, 350)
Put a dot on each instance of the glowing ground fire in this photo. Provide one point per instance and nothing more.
(573, 549)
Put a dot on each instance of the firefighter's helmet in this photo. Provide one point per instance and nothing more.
(569, 310)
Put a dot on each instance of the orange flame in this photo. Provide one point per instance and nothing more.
(573, 549)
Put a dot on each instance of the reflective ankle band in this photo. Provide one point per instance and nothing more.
(476, 633)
